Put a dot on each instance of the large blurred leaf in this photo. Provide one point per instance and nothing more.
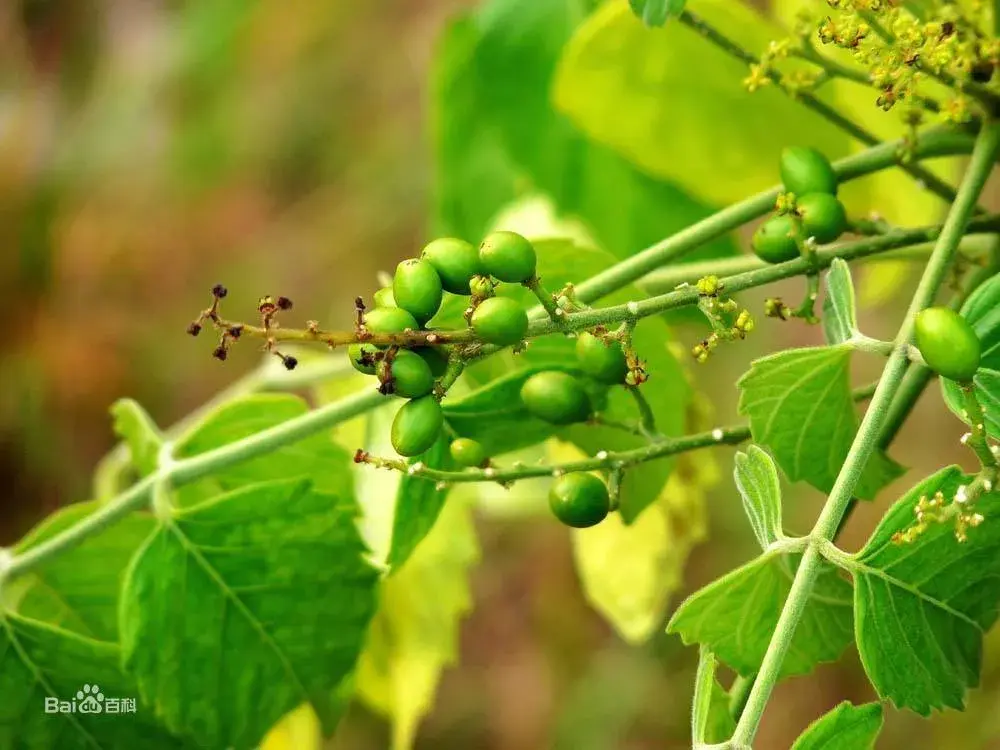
(921, 609)
(414, 634)
(982, 310)
(674, 105)
(496, 128)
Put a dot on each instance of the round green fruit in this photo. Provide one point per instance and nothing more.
(390, 320)
(823, 216)
(383, 297)
(435, 357)
(500, 321)
(362, 357)
(948, 343)
(467, 452)
(805, 170)
(555, 397)
(410, 374)
(416, 426)
(605, 363)
(456, 262)
(508, 256)
(579, 500)
(416, 288)
(774, 240)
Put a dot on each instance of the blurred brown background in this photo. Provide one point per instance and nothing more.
(150, 149)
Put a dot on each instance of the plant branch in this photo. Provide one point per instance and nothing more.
(867, 438)
(929, 179)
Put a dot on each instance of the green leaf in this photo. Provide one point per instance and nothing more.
(414, 634)
(921, 608)
(800, 406)
(418, 504)
(78, 590)
(982, 310)
(143, 438)
(498, 136)
(317, 457)
(757, 480)
(840, 318)
(735, 616)
(656, 12)
(710, 718)
(240, 608)
(40, 662)
(846, 727)
(675, 106)
(495, 416)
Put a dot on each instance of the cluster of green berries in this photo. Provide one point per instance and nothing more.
(446, 265)
(807, 210)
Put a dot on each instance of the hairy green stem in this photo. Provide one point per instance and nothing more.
(867, 439)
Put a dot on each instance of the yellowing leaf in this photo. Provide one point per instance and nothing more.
(414, 635)
(629, 572)
(298, 730)
(675, 105)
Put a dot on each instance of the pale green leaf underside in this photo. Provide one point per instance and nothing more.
(846, 727)
(38, 661)
(241, 608)
(757, 481)
(735, 616)
(840, 320)
(710, 718)
(921, 608)
(800, 407)
(78, 590)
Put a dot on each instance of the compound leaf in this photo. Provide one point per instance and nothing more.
(757, 480)
(800, 406)
(735, 616)
(238, 609)
(921, 608)
(846, 727)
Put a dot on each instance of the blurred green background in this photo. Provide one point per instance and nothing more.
(151, 149)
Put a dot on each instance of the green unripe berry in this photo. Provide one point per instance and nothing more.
(456, 262)
(500, 321)
(435, 357)
(774, 240)
(823, 216)
(805, 170)
(383, 297)
(555, 397)
(467, 452)
(416, 288)
(948, 343)
(390, 320)
(410, 374)
(604, 362)
(579, 500)
(416, 426)
(362, 357)
(508, 256)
